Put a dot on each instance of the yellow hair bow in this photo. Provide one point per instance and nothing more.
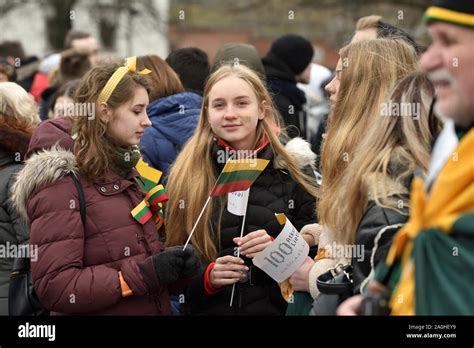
(130, 66)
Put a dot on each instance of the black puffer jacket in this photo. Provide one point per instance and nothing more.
(375, 233)
(288, 98)
(273, 192)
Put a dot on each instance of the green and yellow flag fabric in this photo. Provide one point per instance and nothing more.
(430, 266)
(152, 206)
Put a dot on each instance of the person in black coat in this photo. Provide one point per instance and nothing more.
(272, 191)
(289, 62)
(237, 120)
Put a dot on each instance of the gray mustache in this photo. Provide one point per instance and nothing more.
(441, 75)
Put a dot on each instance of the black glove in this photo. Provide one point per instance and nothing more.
(192, 262)
(169, 264)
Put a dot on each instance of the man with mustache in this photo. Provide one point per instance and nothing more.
(430, 265)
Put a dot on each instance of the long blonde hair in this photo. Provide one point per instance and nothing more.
(193, 175)
(371, 68)
(399, 143)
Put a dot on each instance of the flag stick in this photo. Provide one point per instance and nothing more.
(196, 223)
(238, 249)
(205, 205)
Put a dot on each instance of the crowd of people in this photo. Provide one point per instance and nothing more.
(107, 169)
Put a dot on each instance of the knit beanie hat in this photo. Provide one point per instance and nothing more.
(459, 12)
(294, 50)
(245, 54)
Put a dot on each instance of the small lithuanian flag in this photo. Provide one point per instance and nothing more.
(142, 212)
(156, 195)
(238, 175)
(149, 176)
(152, 205)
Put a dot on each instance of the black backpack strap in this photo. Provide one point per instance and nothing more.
(82, 199)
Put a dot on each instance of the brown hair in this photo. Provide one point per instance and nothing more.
(7, 69)
(65, 90)
(386, 30)
(163, 80)
(74, 64)
(368, 22)
(93, 148)
(74, 35)
(12, 49)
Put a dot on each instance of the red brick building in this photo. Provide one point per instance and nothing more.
(210, 40)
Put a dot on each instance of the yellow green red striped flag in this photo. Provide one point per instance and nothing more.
(238, 175)
(149, 176)
(142, 212)
(156, 195)
(151, 206)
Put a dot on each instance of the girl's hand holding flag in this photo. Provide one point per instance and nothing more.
(228, 270)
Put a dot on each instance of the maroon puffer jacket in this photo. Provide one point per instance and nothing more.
(77, 270)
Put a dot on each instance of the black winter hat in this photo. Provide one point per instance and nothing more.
(296, 51)
(460, 12)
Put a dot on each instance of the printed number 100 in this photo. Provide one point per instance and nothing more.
(277, 257)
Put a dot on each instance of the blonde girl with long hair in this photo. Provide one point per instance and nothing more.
(368, 157)
(375, 197)
(237, 119)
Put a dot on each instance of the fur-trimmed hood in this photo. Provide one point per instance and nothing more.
(397, 183)
(42, 168)
(300, 150)
(378, 185)
(297, 148)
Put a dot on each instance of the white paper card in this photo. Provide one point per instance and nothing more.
(237, 202)
(285, 255)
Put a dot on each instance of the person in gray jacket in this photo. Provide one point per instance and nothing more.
(18, 117)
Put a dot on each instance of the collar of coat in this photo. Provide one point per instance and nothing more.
(297, 148)
(45, 167)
